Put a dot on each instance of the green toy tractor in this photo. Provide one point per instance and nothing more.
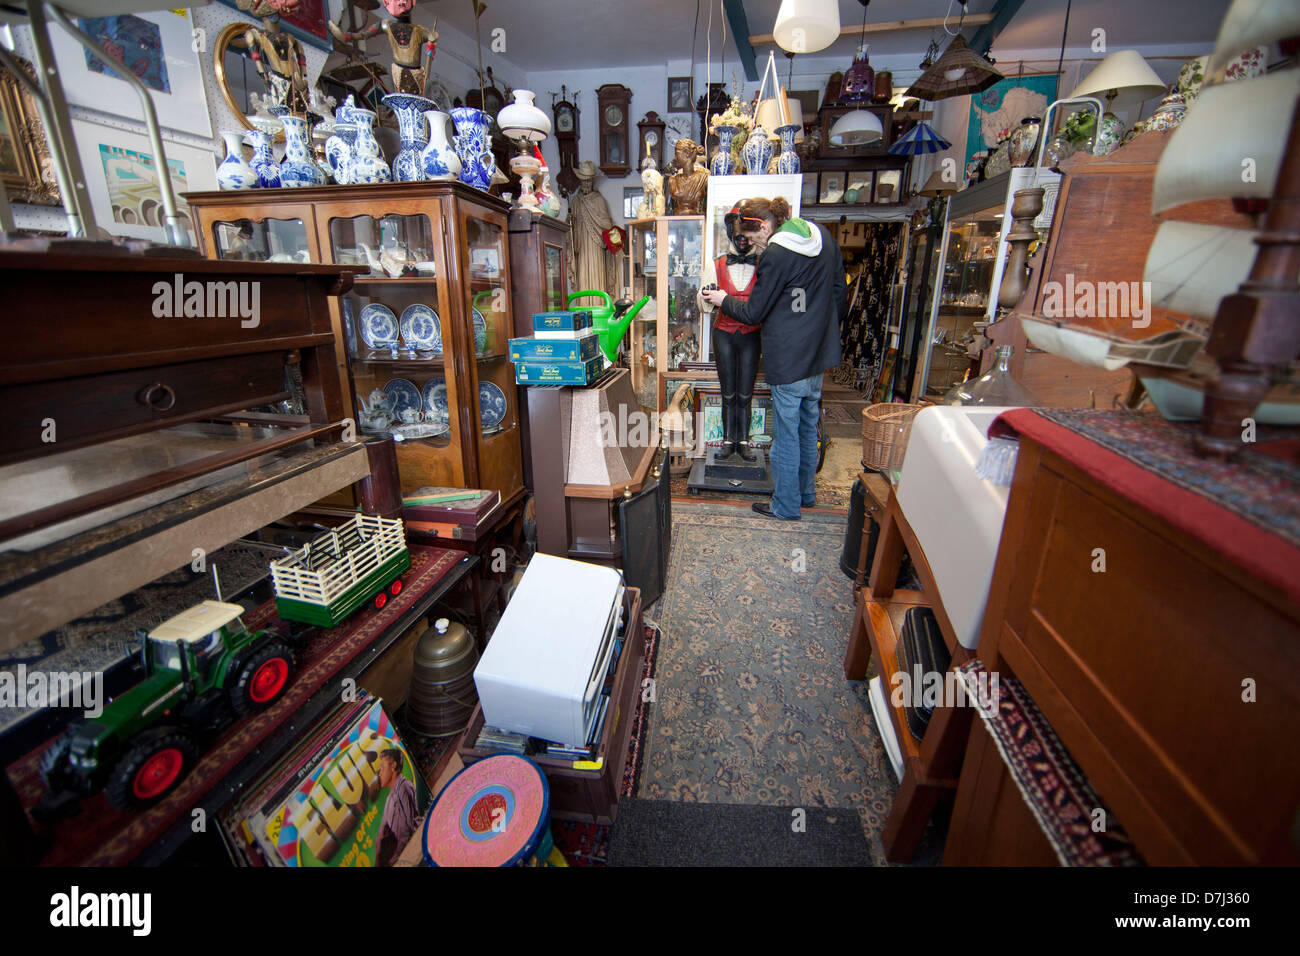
(199, 666)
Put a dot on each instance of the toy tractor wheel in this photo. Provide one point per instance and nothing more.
(262, 679)
(380, 600)
(153, 764)
(396, 587)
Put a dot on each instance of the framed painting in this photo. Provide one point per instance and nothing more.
(679, 95)
(125, 194)
(708, 417)
(308, 23)
(156, 47)
(724, 193)
(25, 163)
(999, 109)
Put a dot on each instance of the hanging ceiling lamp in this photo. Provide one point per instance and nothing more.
(959, 72)
(856, 128)
(806, 26)
(919, 139)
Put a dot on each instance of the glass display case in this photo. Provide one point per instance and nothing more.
(422, 336)
(970, 274)
(665, 262)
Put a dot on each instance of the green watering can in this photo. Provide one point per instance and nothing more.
(610, 320)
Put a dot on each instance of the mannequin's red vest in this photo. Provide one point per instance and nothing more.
(724, 323)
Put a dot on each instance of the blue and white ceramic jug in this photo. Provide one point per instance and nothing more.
(439, 161)
(476, 161)
(234, 171)
(263, 161)
(368, 164)
(409, 110)
(297, 168)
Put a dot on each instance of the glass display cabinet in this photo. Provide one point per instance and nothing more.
(969, 274)
(665, 262)
(422, 337)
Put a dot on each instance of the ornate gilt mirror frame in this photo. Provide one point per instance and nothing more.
(231, 39)
(25, 162)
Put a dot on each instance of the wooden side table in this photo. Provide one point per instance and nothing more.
(930, 766)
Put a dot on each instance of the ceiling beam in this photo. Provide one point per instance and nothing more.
(1001, 13)
(739, 24)
(889, 26)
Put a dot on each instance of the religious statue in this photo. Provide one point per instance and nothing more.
(689, 183)
(278, 56)
(652, 181)
(411, 45)
(592, 266)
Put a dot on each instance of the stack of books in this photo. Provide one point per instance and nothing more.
(457, 513)
(563, 350)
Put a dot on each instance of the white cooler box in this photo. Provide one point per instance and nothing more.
(543, 670)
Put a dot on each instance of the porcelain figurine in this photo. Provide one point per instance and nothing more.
(788, 162)
(757, 152)
(652, 182)
(547, 201)
(477, 163)
(366, 164)
(234, 171)
(263, 162)
(723, 162)
(297, 168)
(410, 110)
(439, 161)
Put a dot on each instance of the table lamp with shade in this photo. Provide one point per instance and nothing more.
(1123, 79)
(527, 125)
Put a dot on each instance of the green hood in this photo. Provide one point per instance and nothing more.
(798, 235)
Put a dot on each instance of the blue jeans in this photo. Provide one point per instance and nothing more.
(794, 453)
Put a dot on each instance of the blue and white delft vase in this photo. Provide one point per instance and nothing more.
(297, 169)
(757, 152)
(368, 164)
(409, 110)
(263, 162)
(439, 161)
(476, 162)
(338, 146)
(724, 163)
(234, 171)
(788, 162)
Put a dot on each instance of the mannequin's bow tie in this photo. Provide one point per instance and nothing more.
(749, 260)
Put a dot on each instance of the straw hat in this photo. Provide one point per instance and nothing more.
(586, 170)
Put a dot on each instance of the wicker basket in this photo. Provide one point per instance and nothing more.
(882, 442)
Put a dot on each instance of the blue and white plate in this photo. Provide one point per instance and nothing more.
(401, 396)
(378, 326)
(421, 329)
(435, 400)
(480, 333)
(491, 404)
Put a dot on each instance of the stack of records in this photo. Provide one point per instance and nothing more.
(498, 741)
(347, 795)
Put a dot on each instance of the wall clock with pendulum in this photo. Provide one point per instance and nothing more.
(565, 113)
(615, 156)
(651, 139)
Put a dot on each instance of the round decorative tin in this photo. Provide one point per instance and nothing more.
(495, 812)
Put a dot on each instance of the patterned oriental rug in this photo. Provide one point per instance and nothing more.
(751, 701)
(101, 835)
(1248, 510)
(1054, 788)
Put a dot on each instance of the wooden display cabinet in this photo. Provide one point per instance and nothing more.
(665, 261)
(453, 241)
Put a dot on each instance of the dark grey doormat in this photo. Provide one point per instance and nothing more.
(671, 833)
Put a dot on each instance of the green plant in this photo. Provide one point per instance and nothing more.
(1080, 127)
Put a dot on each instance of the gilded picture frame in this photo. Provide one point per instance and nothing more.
(25, 162)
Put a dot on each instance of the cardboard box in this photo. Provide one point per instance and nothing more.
(558, 373)
(574, 320)
(585, 346)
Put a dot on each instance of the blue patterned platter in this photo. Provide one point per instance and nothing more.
(435, 400)
(480, 333)
(421, 329)
(402, 395)
(491, 404)
(378, 326)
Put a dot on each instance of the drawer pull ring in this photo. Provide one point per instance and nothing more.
(158, 396)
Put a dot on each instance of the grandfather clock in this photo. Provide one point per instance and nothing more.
(615, 156)
(566, 138)
(651, 140)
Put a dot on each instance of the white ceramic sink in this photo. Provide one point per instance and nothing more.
(957, 517)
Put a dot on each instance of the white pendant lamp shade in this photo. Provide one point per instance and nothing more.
(806, 26)
(856, 128)
(1126, 74)
(521, 120)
